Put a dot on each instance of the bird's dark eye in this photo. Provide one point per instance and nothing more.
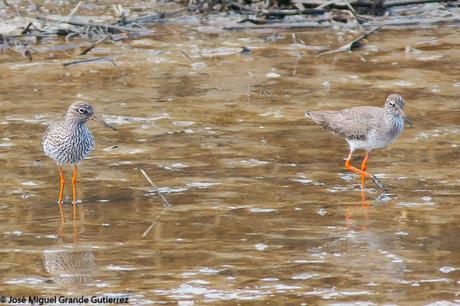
(82, 110)
(392, 104)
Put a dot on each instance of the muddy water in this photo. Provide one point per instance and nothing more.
(262, 208)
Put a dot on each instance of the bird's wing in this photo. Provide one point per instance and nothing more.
(45, 134)
(350, 123)
(49, 130)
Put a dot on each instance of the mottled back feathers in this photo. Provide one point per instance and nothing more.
(351, 123)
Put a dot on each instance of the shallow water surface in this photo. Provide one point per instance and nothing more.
(263, 210)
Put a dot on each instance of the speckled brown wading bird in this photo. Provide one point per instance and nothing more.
(365, 128)
(70, 141)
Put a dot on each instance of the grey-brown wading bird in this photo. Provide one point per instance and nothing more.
(70, 141)
(365, 128)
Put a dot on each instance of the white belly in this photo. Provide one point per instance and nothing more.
(377, 140)
(360, 145)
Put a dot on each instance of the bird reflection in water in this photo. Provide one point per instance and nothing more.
(364, 205)
(70, 264)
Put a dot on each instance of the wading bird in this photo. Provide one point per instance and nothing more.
(70, 141)
(365, 128)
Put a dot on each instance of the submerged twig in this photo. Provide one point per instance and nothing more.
(165, 202)
(391, 3)
(351, 44)
(27, 28)
(75, 9)
(100, 41)
(241, 7)
(285, 12)
(276, 25)
(187, 56)
(248, 93)
(152, 18)
(92, 60)
(107, 27)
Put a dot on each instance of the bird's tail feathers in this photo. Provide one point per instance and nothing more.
(315, 116)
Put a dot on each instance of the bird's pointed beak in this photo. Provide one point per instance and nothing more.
(406, 119)
(102, 122)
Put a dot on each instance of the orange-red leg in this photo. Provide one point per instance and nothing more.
(348, 166)
(363, 180)
(74, 190)
(61, 191)
(75, 234)
(363, 168)
(61, 174)
(354, 169)
(364, 203)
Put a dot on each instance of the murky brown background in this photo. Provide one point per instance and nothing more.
(263, 209)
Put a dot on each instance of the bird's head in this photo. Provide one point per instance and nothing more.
(394, 105)
(81, 112)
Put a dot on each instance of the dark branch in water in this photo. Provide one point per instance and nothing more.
(100, 41)
(355, 43)
(391, 3)
(92, 60)
(274, 25)
(241, 7)
(282, 13)
(151, 18)
(104, 26)
(26, 30)
(187, 56)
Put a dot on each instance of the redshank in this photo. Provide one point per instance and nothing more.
(70, 141)
(365, 128)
